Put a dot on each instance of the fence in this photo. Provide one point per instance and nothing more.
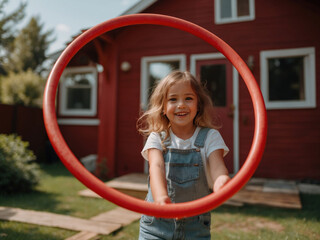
(27, 122)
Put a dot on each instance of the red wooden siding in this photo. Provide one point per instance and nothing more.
(293, 135)
(107, 110)
(278, 25)
(82, 140)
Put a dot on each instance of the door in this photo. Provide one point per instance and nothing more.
(216, 74)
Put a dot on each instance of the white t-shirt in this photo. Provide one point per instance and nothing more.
(213, 142)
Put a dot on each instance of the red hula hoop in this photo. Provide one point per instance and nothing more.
(171, 210)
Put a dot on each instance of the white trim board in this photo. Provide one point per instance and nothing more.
(79, 121)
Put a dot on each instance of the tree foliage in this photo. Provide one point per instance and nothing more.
(24, 88)
(22, 57)
(8, 23)
(28, 50)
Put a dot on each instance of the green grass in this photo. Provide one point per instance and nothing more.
(255, 222)
(259, 222)
(56, 193)
(22, 231)
(58, 190)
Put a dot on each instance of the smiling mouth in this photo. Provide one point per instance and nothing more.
(181, 114)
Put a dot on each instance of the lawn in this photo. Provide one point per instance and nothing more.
(57, 193)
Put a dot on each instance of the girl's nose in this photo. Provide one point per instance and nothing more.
(181, 104)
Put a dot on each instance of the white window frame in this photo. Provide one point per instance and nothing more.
(234, 17)
(308, 55)
(63, 110)
(144, 85)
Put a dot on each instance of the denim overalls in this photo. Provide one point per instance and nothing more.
(186, 181)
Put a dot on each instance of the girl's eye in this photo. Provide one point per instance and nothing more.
(172, 99)
(189, 98)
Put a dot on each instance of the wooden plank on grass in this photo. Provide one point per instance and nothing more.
(83, 236)
(57, 220)
(118, 215)
(133, 181)
(280, 186)
(134, 184)
(88, 193)
(274, 199)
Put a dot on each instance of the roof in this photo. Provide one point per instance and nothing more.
(139, 7)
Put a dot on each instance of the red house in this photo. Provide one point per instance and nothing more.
(106, 85)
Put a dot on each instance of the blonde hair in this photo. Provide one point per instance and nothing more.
(154, 120)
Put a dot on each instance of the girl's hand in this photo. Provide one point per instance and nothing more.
(218, 170)
(220, 182)
(162, 200)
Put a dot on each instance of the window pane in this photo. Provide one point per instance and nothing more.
(226, 11)
(286, 80)
(79, 79)
(214, 77)
(243, 8)
(158, 70)
(79, 90)
(78, 98)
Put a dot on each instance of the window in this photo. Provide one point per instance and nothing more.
(227, 11)
(214, 77)
(154, 69)
(78, 92)
(288, 78)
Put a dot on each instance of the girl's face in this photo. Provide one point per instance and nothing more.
(181, 106)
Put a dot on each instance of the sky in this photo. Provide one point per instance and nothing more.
(68, 17)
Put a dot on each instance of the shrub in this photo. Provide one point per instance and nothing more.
(24, 88)
(18, 170)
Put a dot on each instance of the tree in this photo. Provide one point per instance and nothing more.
(8, 23)
(24, 88)
(28, 50)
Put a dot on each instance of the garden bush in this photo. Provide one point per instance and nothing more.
(22, 88)
(18, 170)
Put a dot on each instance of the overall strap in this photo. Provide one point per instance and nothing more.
(167, 142)
(201, 137)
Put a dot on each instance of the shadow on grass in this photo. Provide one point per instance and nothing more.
(55, 169)
(36, 200)
(21, 231)
(48, 194)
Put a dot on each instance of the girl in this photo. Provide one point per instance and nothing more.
(185, 155)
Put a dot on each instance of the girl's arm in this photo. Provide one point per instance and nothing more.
(158, 182)
(218, 170)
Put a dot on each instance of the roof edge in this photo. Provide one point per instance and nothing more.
(139, 7)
